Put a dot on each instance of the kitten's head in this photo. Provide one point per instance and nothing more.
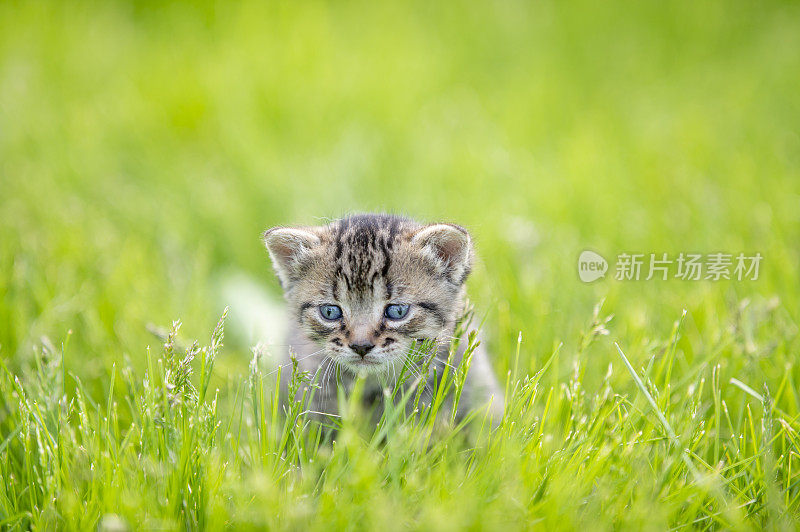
(366, 287)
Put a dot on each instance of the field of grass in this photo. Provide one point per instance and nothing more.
(144, 147)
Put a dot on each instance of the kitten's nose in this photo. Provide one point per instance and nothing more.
(362, 349)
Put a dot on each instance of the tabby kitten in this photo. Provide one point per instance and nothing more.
(364, 290)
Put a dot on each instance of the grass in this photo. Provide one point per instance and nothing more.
(144, 147)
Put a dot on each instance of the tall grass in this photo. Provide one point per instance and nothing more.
(160, 451)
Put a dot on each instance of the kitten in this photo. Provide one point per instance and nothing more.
(364, 290)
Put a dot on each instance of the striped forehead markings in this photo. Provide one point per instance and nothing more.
(364, 236)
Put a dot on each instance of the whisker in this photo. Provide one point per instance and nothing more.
(327, 369)
(415, 372)
(320, 413)
(290, 363)
(437, 359)
(320, 368)
(325, 381)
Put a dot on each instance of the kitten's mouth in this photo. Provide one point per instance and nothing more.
(364, 362)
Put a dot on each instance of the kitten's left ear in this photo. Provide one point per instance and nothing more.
(449, 246)
(288, 247)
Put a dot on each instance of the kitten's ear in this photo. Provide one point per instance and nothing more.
(449, 246)
(287, 248)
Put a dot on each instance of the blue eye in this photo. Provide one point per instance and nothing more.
(396, 312)
(330, 312)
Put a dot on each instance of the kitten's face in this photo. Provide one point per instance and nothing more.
(367, 287)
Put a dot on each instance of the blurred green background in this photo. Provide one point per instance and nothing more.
(145, 146)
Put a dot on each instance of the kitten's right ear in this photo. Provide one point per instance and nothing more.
(449, 247)
(287, 248)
